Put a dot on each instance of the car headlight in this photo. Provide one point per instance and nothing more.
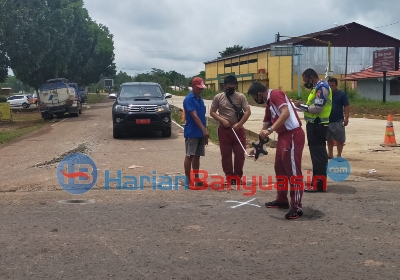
(163, 108)
(120, 108)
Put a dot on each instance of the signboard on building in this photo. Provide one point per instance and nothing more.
(108, 83)
(5, 111)
(385, 60)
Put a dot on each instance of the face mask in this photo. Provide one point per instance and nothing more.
(230, 91)
(309, 85)
(259, 101)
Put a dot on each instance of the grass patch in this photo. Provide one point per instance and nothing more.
(27, 117)
(213, 130)
(95, 98)
(176, 115)
(23, 123)
(8, 135)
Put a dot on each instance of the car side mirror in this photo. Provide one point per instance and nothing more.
(112, 96)
(168, 95)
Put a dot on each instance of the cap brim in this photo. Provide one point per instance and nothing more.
(201, 86)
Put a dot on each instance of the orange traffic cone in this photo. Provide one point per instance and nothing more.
(390, 139)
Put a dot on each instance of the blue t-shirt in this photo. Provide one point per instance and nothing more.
(339, 99)
(192, 103)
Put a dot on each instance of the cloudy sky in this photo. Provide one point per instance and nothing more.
(181, 35)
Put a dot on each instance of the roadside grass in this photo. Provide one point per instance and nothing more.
(23, 123)
(26, 122)
(95, 98)
(8, 135)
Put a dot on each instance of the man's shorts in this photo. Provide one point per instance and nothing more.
(195, 146)
(336, 131)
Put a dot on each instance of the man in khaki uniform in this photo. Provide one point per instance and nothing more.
(231, 116)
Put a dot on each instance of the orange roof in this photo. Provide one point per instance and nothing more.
(369, 74)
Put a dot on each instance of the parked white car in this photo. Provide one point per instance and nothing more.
(19, 100)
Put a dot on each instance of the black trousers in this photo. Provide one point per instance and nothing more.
(316, 137)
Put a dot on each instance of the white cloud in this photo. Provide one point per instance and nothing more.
(181, 35)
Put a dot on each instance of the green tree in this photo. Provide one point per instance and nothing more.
(39, 39)
(99, 61)
(120, 78)
(4, 61)
(231, 50)
(52, 39)
(16, 85)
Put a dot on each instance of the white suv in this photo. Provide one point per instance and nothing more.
(19, 100)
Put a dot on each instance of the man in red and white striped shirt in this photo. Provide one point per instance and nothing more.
(281, 116)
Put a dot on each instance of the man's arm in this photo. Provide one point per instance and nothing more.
(247, 110)
(319, 102)
(346, 109)
(346, 115)
(215, 116)
(247, 113)
(285, 114)
(267, 119)
(197, 120)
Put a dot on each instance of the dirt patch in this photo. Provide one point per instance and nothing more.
(82, 148)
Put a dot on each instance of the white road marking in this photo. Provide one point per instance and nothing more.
(243, 203)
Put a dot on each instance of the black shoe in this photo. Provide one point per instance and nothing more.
(276, 204)
(293, 214)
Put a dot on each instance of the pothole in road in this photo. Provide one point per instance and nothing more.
(76, 201)
(82, 148)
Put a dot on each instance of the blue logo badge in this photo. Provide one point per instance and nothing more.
(338, 169)
(77, 173)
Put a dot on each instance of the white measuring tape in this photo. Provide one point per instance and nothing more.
(241, 143)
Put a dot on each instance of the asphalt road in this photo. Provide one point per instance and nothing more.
(350, 232)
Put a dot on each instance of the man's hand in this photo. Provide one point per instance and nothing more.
(206, 136)
(264, 134)
(236, 126)
(345, 122)
(225, 123)
(297, 103)
(252, 154)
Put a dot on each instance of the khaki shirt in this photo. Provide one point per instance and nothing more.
(224, 108)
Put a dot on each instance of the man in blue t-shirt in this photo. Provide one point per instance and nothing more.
(336, 131)
(195, 131)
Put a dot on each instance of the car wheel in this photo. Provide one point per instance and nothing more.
(166, 133)
(116, 133)
(25, 105)
(47, 116)
(80, 109)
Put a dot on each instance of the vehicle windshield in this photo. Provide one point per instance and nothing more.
(140, 91)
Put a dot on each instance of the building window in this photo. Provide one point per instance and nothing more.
(395, 86)
(241, 63)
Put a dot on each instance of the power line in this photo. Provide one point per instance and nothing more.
(388, 24)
